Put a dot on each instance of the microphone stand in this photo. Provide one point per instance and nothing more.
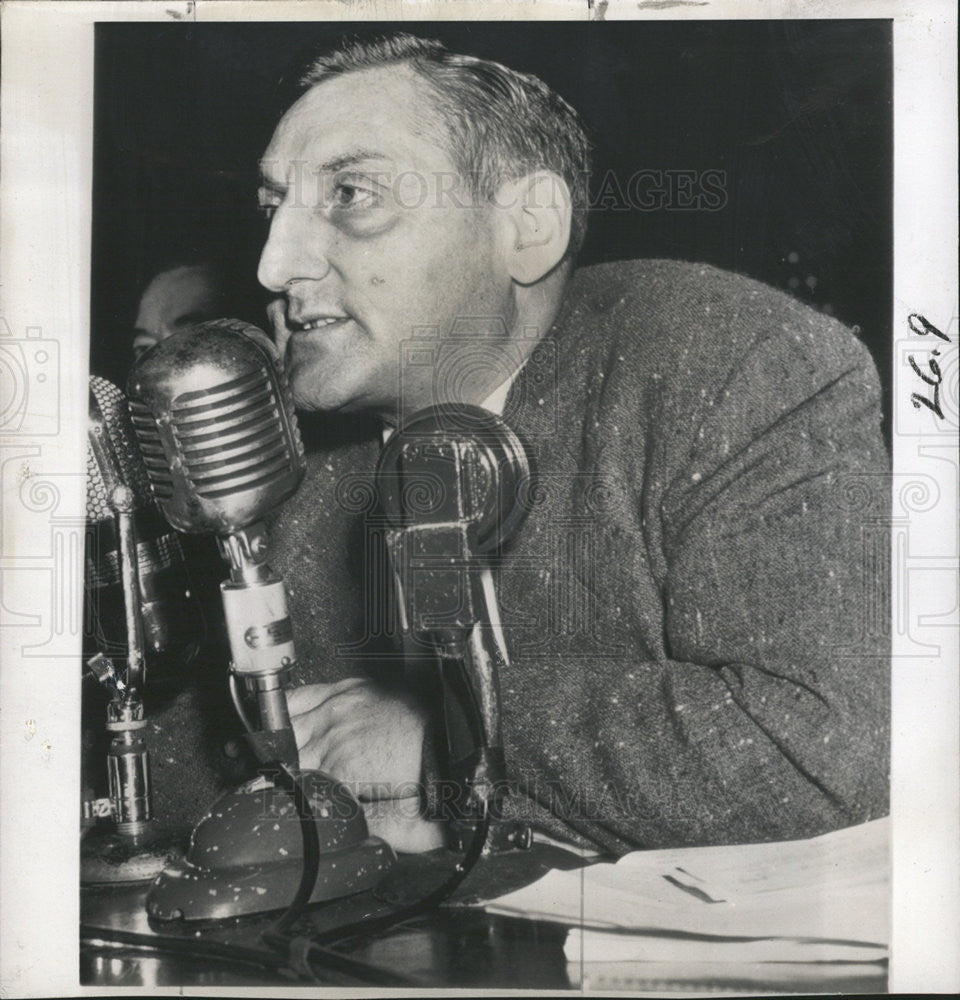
(455, 590)
(248, 853)
(261, 643)
(136, 848)
(213, 416)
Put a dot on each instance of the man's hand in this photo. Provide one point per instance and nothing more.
(362, 734)
(399, 823)
(370, 738)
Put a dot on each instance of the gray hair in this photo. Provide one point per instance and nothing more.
(501, 124)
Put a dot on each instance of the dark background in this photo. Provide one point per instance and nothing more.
(798, 115)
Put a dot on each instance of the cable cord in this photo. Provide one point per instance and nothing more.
(370, 925)
(311, 852)
(305, 954)
(307, 949)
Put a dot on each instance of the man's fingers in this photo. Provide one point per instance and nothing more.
(307, 743)
(361, 735)
(400, 824)
(312, 711)
(367, 782)
(311, 696)
(311, 753)
(307, 698)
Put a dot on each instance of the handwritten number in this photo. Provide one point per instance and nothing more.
(917, 399)
(934, 367)
(921, 326)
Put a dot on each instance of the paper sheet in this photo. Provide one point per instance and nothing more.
(833, 888)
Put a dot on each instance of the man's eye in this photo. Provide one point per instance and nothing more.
(347, 195)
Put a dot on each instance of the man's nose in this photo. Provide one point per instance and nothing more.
(295, 248)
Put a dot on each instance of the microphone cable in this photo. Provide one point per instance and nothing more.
(303, 953)
(311, 851)
(369, 925)
(284, 776)
(290, 946)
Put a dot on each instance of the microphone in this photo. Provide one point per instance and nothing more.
(134, 588)
(215, 422)
(172, 626)
(454, 485)
(214, 418)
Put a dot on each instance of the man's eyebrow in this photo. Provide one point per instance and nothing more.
(352, 159)
(331, 166)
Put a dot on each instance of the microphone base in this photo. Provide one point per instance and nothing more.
(246, 854)
(109, 857)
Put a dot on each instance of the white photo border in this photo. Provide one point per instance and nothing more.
(47, 143)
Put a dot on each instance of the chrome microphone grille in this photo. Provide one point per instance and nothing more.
(232, 437)
(112, 455)
(151, 450)
(216, 426)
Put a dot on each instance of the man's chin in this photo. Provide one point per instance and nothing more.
(308, 399)
(312, 393)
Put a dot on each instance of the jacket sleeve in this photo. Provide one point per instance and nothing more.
(769, 718)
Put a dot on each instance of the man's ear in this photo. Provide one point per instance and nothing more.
(536, 224)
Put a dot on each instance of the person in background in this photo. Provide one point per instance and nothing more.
(184, 290)
(177, 297)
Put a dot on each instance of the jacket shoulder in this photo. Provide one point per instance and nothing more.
(651, 307)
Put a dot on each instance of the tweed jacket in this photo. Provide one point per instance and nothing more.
(693, 611)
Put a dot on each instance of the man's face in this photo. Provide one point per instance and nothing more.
(373, 240)
(173, 301)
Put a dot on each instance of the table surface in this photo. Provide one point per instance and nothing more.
(456, 946)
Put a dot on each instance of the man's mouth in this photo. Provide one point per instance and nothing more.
(314, 324)
(297, 322)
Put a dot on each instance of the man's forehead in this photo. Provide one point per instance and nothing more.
(382, 111)
(177, 288)
(194, 278)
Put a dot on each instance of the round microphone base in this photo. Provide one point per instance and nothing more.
(246, 855)
(109, 857)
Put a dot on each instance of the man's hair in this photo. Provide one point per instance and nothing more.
(235, 294)
(502, 125)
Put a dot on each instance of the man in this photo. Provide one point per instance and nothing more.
(684, 606)
(178, 296)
